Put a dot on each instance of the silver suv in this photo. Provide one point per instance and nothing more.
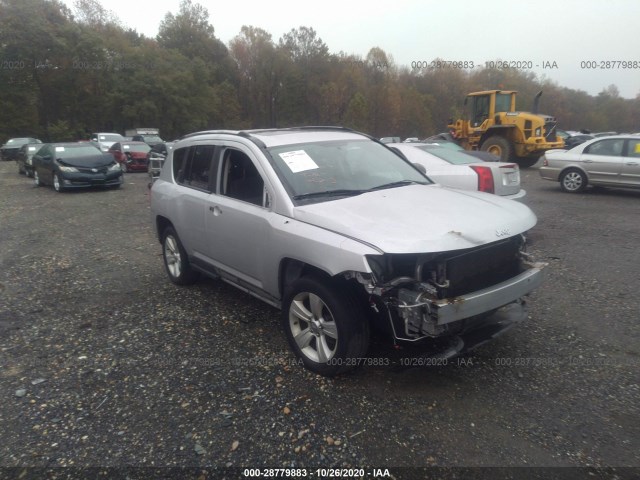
(342, 235)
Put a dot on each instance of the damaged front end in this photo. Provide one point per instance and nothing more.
(453, 293)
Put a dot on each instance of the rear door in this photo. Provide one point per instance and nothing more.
(194, 169)
(603, 160)
(630, 171)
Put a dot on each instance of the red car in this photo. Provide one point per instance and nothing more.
(132, 156)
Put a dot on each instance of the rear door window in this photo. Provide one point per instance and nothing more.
(195, 166)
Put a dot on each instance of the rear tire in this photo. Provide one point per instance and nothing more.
(498, 146)
(176, 261)
(123, 167)
(36, 179)
(325, 325)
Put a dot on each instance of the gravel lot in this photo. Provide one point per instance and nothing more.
(103, 362)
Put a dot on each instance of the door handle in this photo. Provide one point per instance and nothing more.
(215, 210)
(633, 164)
(588, 161)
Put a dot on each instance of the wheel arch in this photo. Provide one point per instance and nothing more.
(291, 270)
(161, 224)
(574, 167)
(497, 130)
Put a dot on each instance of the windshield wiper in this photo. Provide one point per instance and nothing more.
(400, 183)
(330, 193)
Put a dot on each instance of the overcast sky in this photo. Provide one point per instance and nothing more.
(537, 33)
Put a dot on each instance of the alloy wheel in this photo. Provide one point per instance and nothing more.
(313, 327)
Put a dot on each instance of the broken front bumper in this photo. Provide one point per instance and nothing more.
(453, 309)
(424, 316)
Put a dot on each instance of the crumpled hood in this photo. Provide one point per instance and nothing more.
(419, 218)
(89, 161)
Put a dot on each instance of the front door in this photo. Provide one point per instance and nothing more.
(603, 160)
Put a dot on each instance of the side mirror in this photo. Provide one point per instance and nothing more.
(420, 167)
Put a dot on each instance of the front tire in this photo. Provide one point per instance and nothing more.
(123, 167)
(325, 325)
(573, 181)
(176, 261)
(36, 178)
(498, 146)
(57, 184)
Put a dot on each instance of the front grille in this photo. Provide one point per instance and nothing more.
(89, 170)
(481, 267)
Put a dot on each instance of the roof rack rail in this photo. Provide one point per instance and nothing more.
(249, 134)
(208, 132)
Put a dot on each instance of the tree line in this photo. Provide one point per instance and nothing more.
(65, 74)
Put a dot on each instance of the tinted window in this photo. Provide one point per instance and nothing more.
(606, 147)
(200, 166)
(44, 151)
(179, 157)
(240, 178)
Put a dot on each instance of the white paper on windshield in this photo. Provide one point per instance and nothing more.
(126, 147)
(31, 149)
(298, 161)
(59, 149)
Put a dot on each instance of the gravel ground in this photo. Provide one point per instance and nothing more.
(104, 362)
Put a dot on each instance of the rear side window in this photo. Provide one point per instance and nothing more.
(193, 166)
(612, 147)
(179, 157)
(199, 171)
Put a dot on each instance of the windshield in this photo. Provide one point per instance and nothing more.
(152, 138)
(503, 102)
(136, 147)
(344, 167)
(455, 157)
(18, 141)
(114, 137)
(67, 151)
(449, 145)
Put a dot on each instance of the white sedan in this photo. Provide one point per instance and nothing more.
(456, 169)
(606, 161)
